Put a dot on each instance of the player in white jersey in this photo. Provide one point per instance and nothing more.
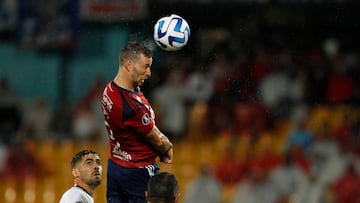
(76, 195)
(87, 170)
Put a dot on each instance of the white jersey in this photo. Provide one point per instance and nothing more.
(76, 195)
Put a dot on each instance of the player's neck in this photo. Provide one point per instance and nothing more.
(122, 79)
(86, 188)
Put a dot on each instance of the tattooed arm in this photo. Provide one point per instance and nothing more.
(161, 143)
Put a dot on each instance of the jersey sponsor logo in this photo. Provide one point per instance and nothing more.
(145, 119)
(119, 154)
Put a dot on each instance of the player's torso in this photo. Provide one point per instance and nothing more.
(128, 117)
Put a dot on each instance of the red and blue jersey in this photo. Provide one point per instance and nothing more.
(128, 118)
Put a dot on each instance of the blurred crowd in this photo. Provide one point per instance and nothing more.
(25, 124)
(291, 119)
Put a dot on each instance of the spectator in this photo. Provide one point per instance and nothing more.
(323, 156)
(204, 188)
(346, 188)
(340, 86)
(38, 121)
(87, 110)
(170, 100)
(84, 125)
(256, 188)
(314, 190)
(199, 86)
(300, 136)
(280, 90)
(230, 169)
(288, 179)
(268, 158)
(341, 131)
(20, 162)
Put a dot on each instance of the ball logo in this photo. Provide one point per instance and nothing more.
(145, 119)
(160, 32)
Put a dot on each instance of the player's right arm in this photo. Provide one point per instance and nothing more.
(161, 143)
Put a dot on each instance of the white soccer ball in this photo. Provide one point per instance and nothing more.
(171, 33)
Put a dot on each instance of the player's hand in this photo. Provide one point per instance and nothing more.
(167, 157)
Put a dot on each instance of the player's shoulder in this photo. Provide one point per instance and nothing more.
(110, 87)
(72, 193)
(76, 195)
(112, 92)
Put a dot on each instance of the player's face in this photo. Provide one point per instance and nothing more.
(141, 70)
(90, 170)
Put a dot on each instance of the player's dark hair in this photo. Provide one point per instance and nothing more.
(162, 187)
(78, 156)
(133, 50)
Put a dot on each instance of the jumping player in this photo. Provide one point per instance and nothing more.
(135, 140)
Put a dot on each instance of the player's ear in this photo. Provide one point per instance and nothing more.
(75, 172)
(127, 65)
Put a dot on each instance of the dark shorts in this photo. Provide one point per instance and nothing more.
(128, 185)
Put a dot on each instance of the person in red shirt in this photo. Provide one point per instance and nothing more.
(346, 188)
(135, 140)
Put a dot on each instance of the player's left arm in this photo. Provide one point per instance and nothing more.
(161, 143)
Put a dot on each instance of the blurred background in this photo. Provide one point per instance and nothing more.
(262, 103)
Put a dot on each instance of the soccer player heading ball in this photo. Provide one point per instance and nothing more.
(135, 140)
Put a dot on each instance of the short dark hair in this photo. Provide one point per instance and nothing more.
(78, 156)
(162, 187)
(132, 50)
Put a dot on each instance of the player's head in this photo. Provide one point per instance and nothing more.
(162, 188)
(86, 168)
(136, 59)
(132, 51)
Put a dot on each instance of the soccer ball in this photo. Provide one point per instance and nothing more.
(171, 33)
